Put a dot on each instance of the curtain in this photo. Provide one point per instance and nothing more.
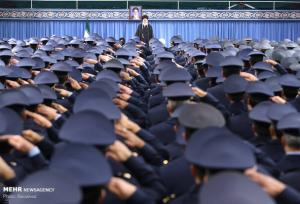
(189, 30)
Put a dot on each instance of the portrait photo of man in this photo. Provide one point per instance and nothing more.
(135, 12)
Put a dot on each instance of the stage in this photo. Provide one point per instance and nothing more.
(190, 24)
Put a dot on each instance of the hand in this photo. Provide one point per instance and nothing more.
(18, 143)
(134, 65)
(12, 84)
(118, 152)
(109, 49)
(6, 171)
(30, 81)
(104, 58)
(74, 84)
(13, 61)
(178, 65)
(86, 76)
(35, 72)
(125, 89)
(59, 108)
(120, 103)
(125, 122)
(48, 112)
(278, 100)
(271, 62)
(125, 76)
(269, 184)
(117, 45)
(57, 49)
(248, 76)
(131, 139)
(32, 136)
(22, 82)
(40, 120)
(63, 92)
(199, 92)
(139, 45)
(83, 85)
(140, 59)
(91, 61)
(121, 188)
(132, 72)
(124, 96)
(135, 62)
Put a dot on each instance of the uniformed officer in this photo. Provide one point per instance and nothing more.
(203, 152)
(289, 165)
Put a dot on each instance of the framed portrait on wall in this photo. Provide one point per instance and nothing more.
(135, 12)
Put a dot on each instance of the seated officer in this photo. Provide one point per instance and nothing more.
(289, 165)
(191, 117)
(211, 151)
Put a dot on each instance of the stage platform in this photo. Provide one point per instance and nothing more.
(233, 24)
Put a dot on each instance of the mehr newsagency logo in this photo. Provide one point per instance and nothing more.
(24, 192)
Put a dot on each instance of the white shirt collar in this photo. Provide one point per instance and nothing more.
(293, 153)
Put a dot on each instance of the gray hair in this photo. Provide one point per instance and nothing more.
(292, 141)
